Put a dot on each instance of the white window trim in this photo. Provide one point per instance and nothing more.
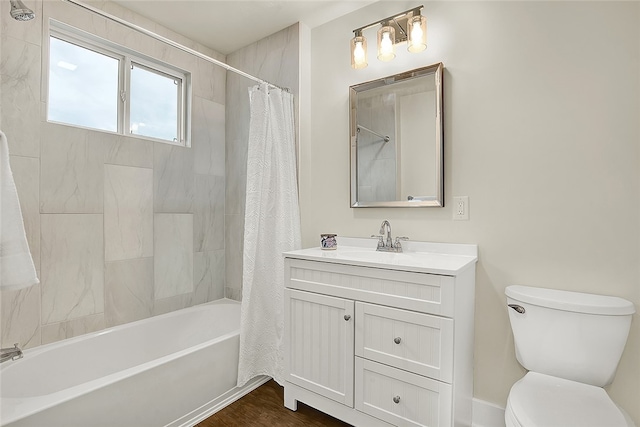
(126, 58)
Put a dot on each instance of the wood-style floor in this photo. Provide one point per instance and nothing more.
(264, 407)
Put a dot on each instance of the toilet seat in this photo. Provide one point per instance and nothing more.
(539, 400)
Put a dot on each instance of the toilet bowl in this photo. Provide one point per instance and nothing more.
(571, 344)
(539, 400)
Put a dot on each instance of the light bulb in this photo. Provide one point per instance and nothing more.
(386, 43)
(417, 35)
(358, 53)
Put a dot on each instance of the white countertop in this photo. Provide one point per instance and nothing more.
(423, 257)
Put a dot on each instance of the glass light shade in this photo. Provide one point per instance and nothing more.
(358, 52)
(417, 29)
(386, 43)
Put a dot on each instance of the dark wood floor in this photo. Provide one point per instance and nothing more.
(264, 407)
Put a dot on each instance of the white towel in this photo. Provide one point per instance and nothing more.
(16, 265)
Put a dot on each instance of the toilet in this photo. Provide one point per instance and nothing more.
(571, 344)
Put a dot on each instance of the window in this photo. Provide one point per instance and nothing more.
(83, 86)
(155, 101)
(99, 85)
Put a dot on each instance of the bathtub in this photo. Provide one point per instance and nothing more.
(170, 370)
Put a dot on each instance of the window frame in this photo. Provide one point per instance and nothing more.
(127, 58)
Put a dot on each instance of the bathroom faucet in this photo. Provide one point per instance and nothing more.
(11, 353)
(389, 245)
(386, 226)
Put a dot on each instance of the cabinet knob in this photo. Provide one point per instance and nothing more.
(397, 340)
(396, 399)
(347, 317)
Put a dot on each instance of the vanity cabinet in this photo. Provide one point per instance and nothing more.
(379, 344)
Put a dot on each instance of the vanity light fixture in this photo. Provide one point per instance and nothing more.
(409, 26)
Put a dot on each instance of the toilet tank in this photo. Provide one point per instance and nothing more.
(570, 335)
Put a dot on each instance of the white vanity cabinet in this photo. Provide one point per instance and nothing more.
(381, 339)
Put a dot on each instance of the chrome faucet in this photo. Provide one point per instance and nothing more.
(386, 227)
(388, 245)
(11, 353)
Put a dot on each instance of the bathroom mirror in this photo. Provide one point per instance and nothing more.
(396, 139)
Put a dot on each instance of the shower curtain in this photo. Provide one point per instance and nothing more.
(271, 226)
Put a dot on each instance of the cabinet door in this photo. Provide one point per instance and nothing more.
(319, 344)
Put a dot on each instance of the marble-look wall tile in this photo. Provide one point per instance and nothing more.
(71, 176)
(208, 276)
(29, 31)
(207, 137)
(128, 151)
(20, 95)
(72, 328)
(173, 178)
(209, 81)
(63, 197)
(26, 172)
(173, 255)
(72, 266)
(20, 317)
(233, 293)
(208, 218)
(128, 212)
(128, 290)
(234, 236)
(169, 304)
(236, 176)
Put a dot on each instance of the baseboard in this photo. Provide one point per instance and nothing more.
(221, 402)
(487, 414)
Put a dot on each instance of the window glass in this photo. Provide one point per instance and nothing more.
(154, 103)
(83, 86)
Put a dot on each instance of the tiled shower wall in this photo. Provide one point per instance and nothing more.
(120, 228)
(275, 59)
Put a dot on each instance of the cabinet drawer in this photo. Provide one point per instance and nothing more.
(401, 398)
(416, 342)
(429, 293)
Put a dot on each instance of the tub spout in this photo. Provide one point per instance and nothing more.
(13, 353)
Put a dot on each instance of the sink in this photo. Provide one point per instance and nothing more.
(436, 258)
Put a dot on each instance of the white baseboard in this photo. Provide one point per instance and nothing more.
(487, 414)
(221, 402)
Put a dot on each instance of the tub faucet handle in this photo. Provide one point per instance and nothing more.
(13, 353)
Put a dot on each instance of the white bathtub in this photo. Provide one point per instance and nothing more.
(170, 370)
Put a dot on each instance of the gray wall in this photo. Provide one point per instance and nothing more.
(120, 228)
(275, 59)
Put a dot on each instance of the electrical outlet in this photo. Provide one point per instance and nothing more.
(461, 208)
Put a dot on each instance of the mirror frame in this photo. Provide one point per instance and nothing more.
(437, 71)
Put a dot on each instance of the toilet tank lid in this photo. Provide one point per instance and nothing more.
(571, 301)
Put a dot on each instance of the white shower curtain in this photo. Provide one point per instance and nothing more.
(271, 226)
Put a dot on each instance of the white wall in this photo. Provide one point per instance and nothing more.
(541, 132)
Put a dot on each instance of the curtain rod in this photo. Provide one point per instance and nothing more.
(172, 43)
